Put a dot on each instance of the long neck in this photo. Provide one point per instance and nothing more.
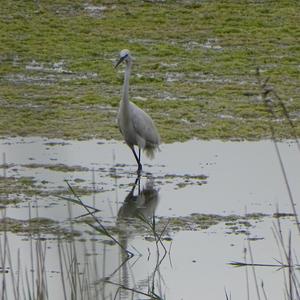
(125, 97)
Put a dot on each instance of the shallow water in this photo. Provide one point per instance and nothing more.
(202, 177)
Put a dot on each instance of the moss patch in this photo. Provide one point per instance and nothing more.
(16, 186)
(14, 190)
(186, 180)
(57, 167)
(233, 223)
(35, 226)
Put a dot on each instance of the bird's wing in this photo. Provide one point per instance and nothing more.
(118, 123)
(144, 125)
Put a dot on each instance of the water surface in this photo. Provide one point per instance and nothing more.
(195, 178)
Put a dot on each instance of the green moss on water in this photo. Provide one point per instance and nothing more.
(14, 185)
(194, 67)
(7, 201)
(16, 190)
(57, 167)
(233, 223)
(36, 226)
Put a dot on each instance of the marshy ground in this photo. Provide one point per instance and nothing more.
(195, 73)
(194, 68)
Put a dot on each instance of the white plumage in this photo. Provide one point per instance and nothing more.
(136, 126)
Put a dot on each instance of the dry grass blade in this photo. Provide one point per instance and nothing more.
(253, 270)
(226, 295)
(101, 228)
(244, 264)
(263, 290)
(265, 91)
(291, 282)
(121, 286)
(290, 269)
(79, 202)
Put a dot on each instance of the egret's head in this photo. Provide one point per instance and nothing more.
(124, 56)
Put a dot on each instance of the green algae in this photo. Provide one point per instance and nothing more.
(234, 224)
(57, 167)
(183, 181)
(57, 77)
(16, 186)
(35, 226)
(16, 190)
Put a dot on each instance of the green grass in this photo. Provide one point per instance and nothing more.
(202, 55)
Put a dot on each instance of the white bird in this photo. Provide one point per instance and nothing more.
(136, 126)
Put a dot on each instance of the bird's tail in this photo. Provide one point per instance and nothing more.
(150, 150)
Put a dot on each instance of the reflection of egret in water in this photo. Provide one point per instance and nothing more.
(141, 205)
(138, 205)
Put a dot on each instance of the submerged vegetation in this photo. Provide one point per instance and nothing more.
(194, 70)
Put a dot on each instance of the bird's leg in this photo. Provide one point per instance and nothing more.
(140, 165)
(137, 158)
(139, 182)
(129, 196)
(139, 154)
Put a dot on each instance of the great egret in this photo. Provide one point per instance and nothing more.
(136, 126)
